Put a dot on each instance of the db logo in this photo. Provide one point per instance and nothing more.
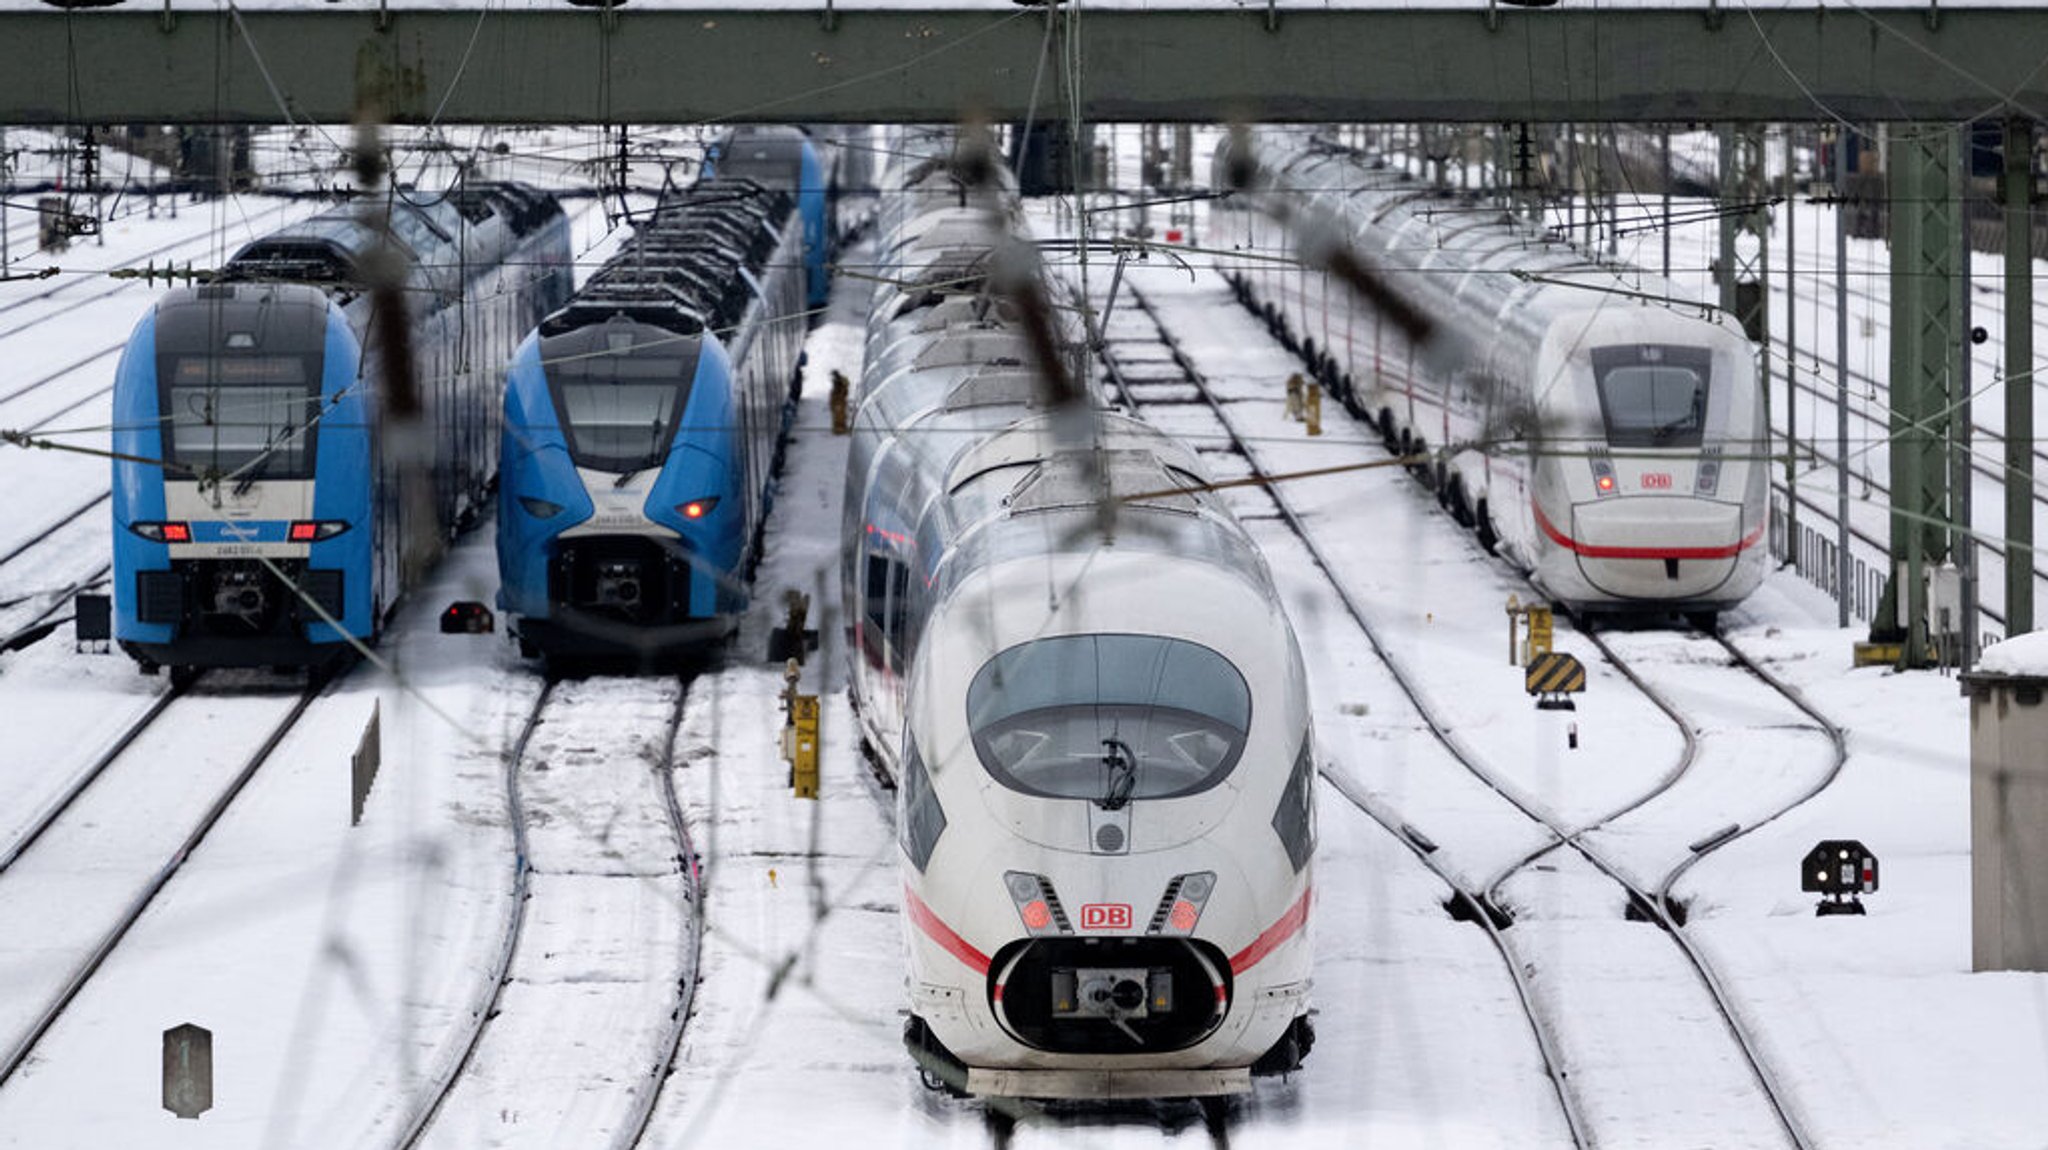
(1106, 916)
(1657, 479)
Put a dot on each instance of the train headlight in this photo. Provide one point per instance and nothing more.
(1181, 907)
(1603, 475)
(540, 508)
(697, 508)
(1709, 476)
(315, 530)
(1038, 908)
(163, 532)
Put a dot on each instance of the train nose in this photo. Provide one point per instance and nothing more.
(1650, 547)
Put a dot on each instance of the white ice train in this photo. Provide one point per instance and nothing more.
(1098, 726)
(1614, 445)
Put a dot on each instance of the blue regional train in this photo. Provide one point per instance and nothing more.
(783, 157)
(643, 422)
(259, 516)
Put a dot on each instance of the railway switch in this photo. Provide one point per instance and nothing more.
(1841, 869)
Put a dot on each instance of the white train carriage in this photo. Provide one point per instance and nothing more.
(1098, 725)
(1595, 423)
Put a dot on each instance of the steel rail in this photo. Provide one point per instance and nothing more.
(1651, 903)
(1477, 901)
(18, 1054)
(429, 1104)
(671, 1042)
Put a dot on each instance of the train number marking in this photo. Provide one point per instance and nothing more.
(1106, 916)
(1660, 480)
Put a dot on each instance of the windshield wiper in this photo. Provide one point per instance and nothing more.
(1123, 774)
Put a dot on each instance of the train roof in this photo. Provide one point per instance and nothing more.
(330, 246)
(686, 267)
(241, 317)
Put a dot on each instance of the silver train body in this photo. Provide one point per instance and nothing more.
(1099, 728)
(1611, 442)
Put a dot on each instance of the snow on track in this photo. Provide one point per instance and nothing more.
(607, 952)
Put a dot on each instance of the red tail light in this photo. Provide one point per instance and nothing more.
(163, 532)
(314, 530)
(697, 508)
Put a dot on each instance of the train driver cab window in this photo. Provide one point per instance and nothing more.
(243, 414)
(1653, 395)
(618, 390)
(1109, 718)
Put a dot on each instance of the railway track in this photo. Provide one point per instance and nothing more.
(550, 1019)
(110, 855)
(1648, 885)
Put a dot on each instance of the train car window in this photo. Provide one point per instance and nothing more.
(875, 607)
(242, 414)
(924, 820)
(1066, 717)
(1653, 395)
(1295, 818)
(899, 591)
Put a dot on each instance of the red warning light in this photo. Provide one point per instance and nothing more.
(177, 533)
(1036, 914)
(303, 531)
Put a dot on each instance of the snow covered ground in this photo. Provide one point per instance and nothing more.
(338, 966)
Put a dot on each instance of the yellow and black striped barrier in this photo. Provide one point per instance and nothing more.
(1553, 675)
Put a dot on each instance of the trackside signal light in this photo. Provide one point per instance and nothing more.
(1841, 869)
(697, 508)
(314, 530)
(163, 532)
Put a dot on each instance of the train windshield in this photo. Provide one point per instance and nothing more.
(1653, 395)
(618, 398)
(248, 416)
(1109, 717)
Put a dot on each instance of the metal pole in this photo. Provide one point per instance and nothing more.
(1962, 480)
(1791, 350)
(1847, 571)
(2017, 183)
(6, 187)
(1666, 136)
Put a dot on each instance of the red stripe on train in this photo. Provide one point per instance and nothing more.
(929, 922)
(1599, 551)
(1270, 939)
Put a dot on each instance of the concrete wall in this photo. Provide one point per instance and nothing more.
(2008, 823)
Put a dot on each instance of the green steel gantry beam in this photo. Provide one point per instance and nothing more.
(1926, 352)
(2016, 189)
(188, 63)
